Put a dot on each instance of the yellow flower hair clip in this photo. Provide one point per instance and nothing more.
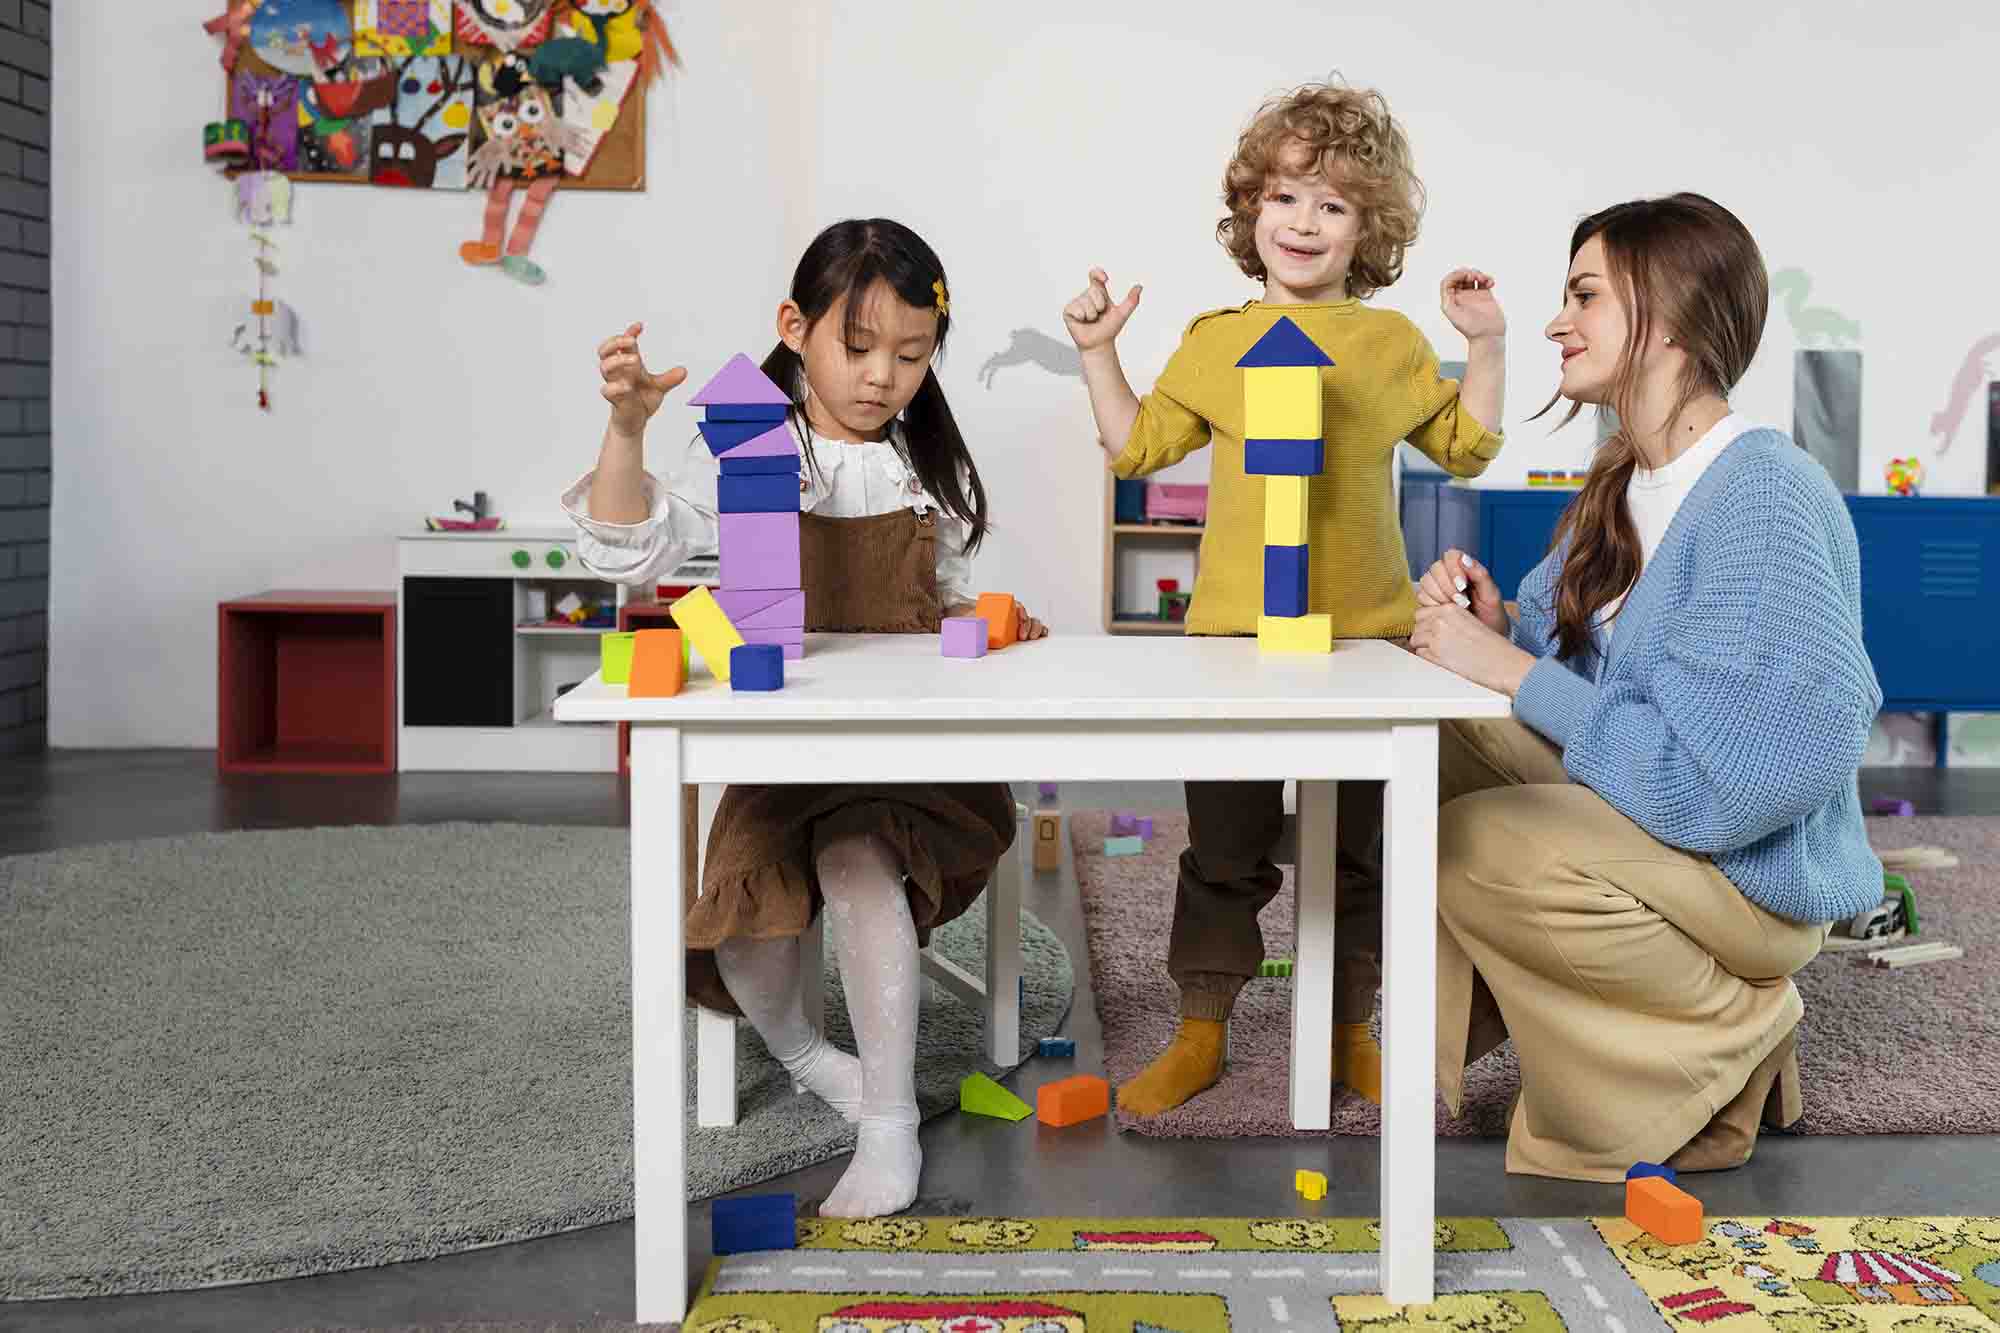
(943, 302)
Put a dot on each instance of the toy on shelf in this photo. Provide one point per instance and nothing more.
(1072, 1101)
(758, 667)
(1056, 1048)
(1172, 502)
(1655, 1204)
(483, 518)
(1173, 602)
(1002, 616)
(962, 636)
(658, 668)
(1284, 442)
(1537, 477)
(759, 1222)
(743, 423)
(1309, 1184)
(980, 1095)
(1904, 476)
(708, 628)
(1130, 846)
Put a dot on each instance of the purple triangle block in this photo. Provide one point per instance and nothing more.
(776, 442)
(739, 382)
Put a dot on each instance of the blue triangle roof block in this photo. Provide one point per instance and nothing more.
(1284, 344)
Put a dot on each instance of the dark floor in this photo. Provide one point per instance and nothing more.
(585, 1277)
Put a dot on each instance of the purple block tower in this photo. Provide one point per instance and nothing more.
(744, 424)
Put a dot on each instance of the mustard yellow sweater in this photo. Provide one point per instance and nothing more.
(1382, 388)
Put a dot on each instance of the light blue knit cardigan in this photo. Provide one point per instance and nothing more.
(1731, 706)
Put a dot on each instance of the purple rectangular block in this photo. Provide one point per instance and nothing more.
(764, 608)
(793, 641)
(963, 636)
(1124, 824)
(759, 550)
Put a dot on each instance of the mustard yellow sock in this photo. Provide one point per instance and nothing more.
(1357, 1060)
(1191, 1063)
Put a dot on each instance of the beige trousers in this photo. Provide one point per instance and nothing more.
(1640, 987)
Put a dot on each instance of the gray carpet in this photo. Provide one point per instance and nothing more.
(237, 1057)
(1881, 1052)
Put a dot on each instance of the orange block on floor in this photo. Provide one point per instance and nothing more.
(998, 609)
(1654, 1204)
(1072, 1101)
(658, 667)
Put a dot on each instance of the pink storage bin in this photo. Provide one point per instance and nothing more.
(1170, 500)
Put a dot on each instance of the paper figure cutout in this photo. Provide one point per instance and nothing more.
(522, 143)
(233, 25)
(627, 30)
(418, 140)
(263, 197)
(592, 115)
(401, 29)
(302, 37)
(269, 105)
(510, 25)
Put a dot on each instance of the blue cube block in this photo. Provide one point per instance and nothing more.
(758, 493)
(1059, 1048)
(721, 435)
(765, 412)
(1285, 580)
(1284, 458)
(757, 666)
(760, 1222)
(762, 464)
(1639, 1169)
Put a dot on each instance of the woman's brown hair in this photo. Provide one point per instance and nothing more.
(1348, 136)
(1686, 266)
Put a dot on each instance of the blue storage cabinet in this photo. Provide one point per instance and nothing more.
(1930, 567)
(1506, 530)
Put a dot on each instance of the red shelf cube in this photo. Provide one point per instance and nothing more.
(306, 683)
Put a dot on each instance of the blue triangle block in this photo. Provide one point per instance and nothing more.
(746, 411)
(1284, 344)
(758, 465)
(721, 435)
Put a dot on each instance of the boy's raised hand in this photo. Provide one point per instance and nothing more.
(1466, 295)
(1093, 318)
(633, 392)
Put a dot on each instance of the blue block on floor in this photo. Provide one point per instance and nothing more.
(1639, 1169)
(757, 666)
(758, 493)
(1060, 1048)
(759, 465)
(765, 412)
(759, 1222)
(1284, 458)
(1285, 580)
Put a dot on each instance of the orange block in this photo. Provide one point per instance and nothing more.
(1654, 1204)
(1072, 1101)
(658, 667)
(997, 609)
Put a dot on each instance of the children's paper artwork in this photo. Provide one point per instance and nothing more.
(263, 198)
(509, 25)
(303, 37)
(592, 115)
(520, 141)
(419, 140)
(401, 29)
(269, 105)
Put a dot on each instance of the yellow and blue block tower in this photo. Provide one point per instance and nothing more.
(1284, 441)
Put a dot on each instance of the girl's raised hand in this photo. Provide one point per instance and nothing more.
(634, 392)
(1466, 295)
(1458, 578)
(1093, 318)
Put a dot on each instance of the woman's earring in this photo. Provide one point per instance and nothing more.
(1668, 339)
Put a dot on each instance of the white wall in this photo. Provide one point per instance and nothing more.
(1026, 145)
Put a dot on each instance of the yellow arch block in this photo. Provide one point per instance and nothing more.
(1286, 508)
(1281, 403)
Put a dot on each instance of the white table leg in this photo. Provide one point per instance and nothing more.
(1409, 1015)
(714, 1032)
(659, 992)
(1312, 959)
(1003, 960)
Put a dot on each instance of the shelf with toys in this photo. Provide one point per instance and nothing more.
(1145, 521)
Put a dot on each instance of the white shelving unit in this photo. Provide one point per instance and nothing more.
(486, 679)
(1124, 537)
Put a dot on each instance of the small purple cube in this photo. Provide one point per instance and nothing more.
(1891, 805)
(1124, 824)
(1045, 792)
(964, 636)
(1145, 826)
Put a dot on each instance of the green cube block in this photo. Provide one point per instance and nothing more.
(615, 657)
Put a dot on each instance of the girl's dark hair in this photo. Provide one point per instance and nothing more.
(846, 260)
(1687, 266)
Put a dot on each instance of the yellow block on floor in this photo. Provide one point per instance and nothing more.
(1311, 1184)
(1295, 634)
(1281, 403)
(1286, 505)
(705, 622)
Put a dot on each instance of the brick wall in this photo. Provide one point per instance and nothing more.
(24, 375)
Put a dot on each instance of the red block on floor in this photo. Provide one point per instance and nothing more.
(1664, 1209)
(1072, 1100)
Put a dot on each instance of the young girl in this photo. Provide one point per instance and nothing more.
(891, 510)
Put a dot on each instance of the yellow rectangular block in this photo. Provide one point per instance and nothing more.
(1312, 1184)
(1281, 403)
(1286, 507)
(709, 626)
(1295, 634)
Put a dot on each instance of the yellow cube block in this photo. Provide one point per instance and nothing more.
(1295, 634)
(1287, 505)
(704, 621)
(1281, 403)
(1309, 1183)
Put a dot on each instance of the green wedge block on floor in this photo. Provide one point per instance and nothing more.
(1275, 967)
(982, 1096)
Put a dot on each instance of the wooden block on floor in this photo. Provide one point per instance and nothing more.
(1072, 1101)
(1658, 1206)
(1048, 840)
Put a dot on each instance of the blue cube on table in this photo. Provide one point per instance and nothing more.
(757, 666)
(759, 1222)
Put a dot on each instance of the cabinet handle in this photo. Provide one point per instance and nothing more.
(555, 557)
(522, 559)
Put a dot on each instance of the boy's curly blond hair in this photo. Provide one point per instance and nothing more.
(1347, 135)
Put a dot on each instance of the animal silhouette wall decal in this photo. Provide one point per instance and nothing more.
(1033, 347)
(1813, 326)
(1973, 372)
